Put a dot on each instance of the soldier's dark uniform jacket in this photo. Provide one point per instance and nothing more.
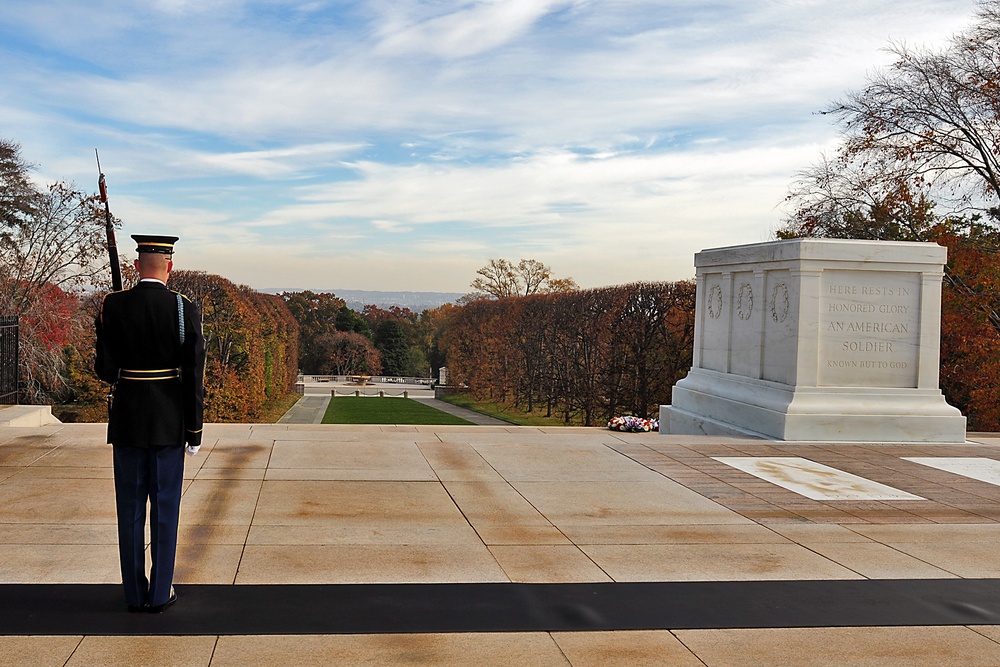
(158, 394)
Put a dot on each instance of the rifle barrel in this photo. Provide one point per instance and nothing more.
(109, 228)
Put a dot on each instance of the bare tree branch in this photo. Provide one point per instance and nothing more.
(501, 279)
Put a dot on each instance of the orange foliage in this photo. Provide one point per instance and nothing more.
(251, 340)
(587, 355)
(252, 344)
(970, 330)
(50, 317)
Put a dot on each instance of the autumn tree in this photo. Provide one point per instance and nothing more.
(317, 314)
(834, 199)
(934, 117)
(497, 280)
(348, 353)
(251, 341)
(82, 396)
(923, 134)
(502, 278)
(970, 323)
(278, 335)
(374, 315)
(920, 161)
(47, 327)
(583, 355)
(652, 335)
(18, 197)
(482, 350)
(430, 334)
(418, 331)
(51, 250)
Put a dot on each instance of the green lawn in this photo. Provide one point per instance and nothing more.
(385, 410)
(506, 413)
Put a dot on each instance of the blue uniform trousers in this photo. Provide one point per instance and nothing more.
(154, 474)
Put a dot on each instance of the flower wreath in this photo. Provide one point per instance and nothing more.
(632, 424)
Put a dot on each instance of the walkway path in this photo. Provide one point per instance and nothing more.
(489, 545)
(468, 415)
(308, 410)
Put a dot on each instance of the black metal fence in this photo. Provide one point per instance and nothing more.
(8, 359)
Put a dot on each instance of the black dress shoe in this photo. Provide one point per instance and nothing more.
(132, 609)
(158, 608)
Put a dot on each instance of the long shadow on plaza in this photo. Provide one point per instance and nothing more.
(97, 609)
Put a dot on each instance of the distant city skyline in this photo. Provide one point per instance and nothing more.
(395, 145)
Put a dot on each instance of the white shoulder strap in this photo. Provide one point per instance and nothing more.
(180, 316)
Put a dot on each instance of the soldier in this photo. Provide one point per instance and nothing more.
(151, 349)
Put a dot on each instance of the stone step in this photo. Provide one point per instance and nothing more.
(27, 416)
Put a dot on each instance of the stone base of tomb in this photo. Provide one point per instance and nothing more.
(711, 403)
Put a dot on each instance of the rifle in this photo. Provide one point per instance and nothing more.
(116, 269)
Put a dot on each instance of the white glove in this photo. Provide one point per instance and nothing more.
(191, 450)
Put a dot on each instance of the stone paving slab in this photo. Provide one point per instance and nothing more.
(306, 503)
(850, 647)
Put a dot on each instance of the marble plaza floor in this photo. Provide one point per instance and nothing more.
(379, 509)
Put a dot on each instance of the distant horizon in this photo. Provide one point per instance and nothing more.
(324, 290)
(416, 301)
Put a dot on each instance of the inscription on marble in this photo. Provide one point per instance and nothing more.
(869, 333)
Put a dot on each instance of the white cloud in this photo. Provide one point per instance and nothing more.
(679, 65)
(610, 139)
(471, 28)
(390, 226)
(541, 187)
(278, 162)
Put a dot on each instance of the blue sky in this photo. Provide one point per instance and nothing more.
(401, 144)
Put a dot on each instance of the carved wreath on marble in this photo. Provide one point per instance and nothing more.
(779, 302)
(744, 303)
(715, 302)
